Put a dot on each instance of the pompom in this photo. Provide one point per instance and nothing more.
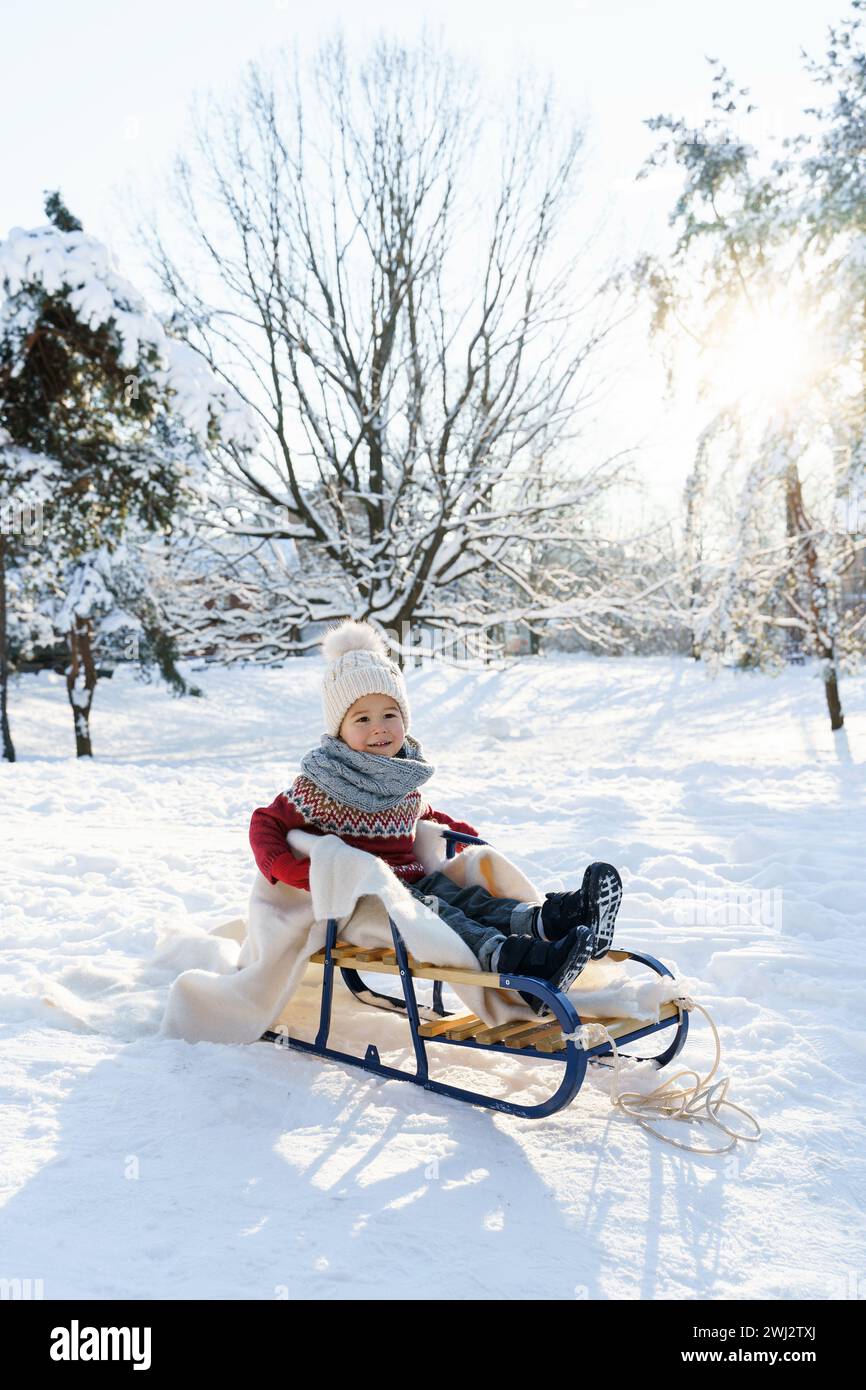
(352, 636)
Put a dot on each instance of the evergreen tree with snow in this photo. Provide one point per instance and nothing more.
(92, 384)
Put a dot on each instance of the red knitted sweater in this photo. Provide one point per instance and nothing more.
(390, 833)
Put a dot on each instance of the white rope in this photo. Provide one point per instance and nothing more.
(699, 1101)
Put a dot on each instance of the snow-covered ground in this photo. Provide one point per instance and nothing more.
(139, 1167)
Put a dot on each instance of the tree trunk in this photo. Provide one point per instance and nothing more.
(694, 493)
(165, 651)
(819, 601)
(81, 683)
(831, 688)
(694, 644)
(8, 745)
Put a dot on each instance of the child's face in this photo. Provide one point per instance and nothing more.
(374, 724)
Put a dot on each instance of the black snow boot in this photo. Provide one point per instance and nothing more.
(558, 963)
(604, 895)
(595, 904)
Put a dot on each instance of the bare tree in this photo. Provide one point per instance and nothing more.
(387, 289)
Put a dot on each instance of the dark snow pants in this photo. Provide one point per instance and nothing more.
(478, 918)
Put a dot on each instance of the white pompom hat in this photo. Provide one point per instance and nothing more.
(358, 664)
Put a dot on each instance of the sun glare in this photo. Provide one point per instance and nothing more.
(770, 357)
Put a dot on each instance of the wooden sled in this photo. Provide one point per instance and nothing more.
(557, 1039)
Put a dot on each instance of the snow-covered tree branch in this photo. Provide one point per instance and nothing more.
(405, 324)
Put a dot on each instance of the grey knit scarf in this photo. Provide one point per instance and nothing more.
(367, 781)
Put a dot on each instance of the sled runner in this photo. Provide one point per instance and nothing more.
(559, 1037)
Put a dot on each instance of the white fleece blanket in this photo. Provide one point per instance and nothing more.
(260, 962)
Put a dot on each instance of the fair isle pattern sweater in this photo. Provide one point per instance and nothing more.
(388, 833)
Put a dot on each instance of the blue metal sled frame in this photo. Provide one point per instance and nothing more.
(572, 1056)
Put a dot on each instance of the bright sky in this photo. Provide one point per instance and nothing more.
(94, 100)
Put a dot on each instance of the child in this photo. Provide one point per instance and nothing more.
(363, 783)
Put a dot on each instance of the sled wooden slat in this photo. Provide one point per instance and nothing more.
(519, 1031)
(548, 1036)
(504, 1032)
(620, 1027)
(535, 1036)
(617, 1027)
(347, 957)
(452, 975)
(498, 1032)
(464, 1028)
(432, 1029)
(342, 953)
